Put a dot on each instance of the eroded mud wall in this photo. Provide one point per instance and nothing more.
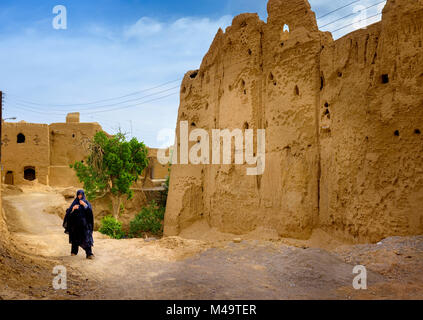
(343, 124)
(255, 76)
(371, 109)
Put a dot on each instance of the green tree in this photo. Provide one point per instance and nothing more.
(113, 165)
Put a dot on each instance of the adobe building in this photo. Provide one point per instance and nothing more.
(343, 121)
(42, 152)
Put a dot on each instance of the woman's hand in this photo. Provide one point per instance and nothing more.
(75, 207)
(82, 203)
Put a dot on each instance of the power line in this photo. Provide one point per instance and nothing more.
(94, 109)
(347, 5)
(95, 102)
(352, 14)
(99, 111)
(110, 105)
(133, 106)
(378, 14)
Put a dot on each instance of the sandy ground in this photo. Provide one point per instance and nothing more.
(202, 264)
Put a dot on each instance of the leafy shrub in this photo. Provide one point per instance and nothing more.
(148, 220)
(111, 227)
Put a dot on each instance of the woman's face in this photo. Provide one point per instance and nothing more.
(79, 196)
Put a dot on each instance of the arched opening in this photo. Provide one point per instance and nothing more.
(21, 138)
(29, 173)
(285, 34)
(9, 178)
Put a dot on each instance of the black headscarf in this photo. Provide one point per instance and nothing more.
(76, 201)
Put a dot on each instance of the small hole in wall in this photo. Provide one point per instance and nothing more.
(322, 82)
(285, 28)
(417, 131)
(385, 78)
(297, 91)
(246, 125)
(207, 106)
(326, 105)
(73, 136)
(396, 133)
(271, 77)
(250, 52)
(339, 74)
(243, 83)
(21, 138)
(194, 74)
(245, 91)
(192, 124)
(282, 44)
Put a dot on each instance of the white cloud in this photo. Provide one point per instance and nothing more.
(105, 62)
(144, 27)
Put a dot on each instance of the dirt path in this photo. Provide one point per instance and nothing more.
(176, 268)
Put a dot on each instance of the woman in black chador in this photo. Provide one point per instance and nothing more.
(79, 224)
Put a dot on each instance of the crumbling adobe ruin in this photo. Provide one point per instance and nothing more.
(32, 151)
(343, 120)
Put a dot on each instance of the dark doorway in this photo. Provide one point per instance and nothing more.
(21, 138)
(29, 173)
(9, 179)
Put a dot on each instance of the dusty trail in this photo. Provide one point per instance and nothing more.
(177, 268)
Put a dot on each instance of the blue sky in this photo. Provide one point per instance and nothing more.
(114, 48)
